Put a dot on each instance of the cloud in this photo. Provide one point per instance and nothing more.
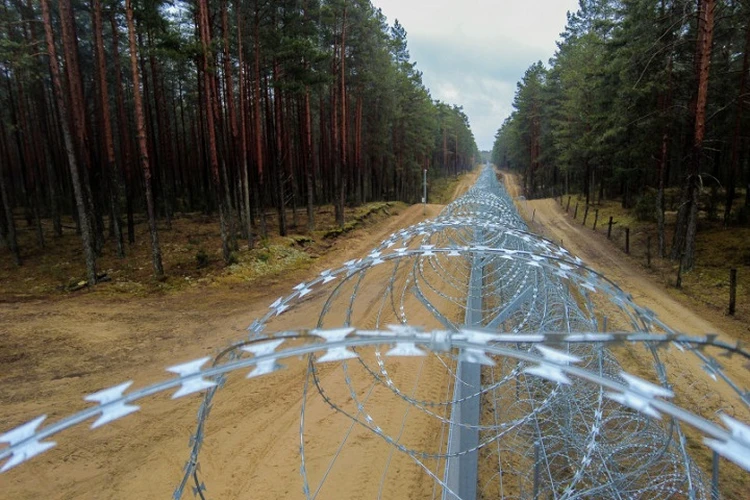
(478, 76)
(472, 53)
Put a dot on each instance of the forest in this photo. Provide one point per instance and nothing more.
(642, 97)
(119, 111)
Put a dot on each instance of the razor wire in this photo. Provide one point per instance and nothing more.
(562, 418)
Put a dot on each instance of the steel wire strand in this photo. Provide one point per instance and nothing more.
(599, 436)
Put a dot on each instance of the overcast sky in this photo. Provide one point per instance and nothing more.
(472, 52)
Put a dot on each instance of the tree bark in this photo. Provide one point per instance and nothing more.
(77, 118)
(734, 168)
(142, 145)
(83, 216)
(308, 161)
(209, 103)
(166, 164)
(10, 224)
(280, 152)
(123, 126)
(258, 124)
(244, 174)
(344, 146)
(705, 39)
(664, 159)
(109, 147)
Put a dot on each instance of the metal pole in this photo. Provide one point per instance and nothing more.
(536, 470)
(463, 434)
(424, 192)
(715, 478)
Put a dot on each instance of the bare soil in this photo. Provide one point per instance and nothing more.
(55, 350)
(695, 390)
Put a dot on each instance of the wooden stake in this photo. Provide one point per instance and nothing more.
(732, 291)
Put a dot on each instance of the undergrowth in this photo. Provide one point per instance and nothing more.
(191, 254)
(718, 249)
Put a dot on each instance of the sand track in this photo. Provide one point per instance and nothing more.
(694, 388)
(54, 352)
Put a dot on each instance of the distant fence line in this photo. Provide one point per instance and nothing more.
(624, 230)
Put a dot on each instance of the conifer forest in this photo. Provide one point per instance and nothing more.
(119, 111)
(252, 249)
(642, 96)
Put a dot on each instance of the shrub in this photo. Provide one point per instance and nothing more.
(201, 258)
(645, 206)
(264, 255)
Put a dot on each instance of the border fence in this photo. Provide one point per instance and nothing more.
(531, 341)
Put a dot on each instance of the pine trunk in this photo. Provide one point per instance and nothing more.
(78, 191)
(244, 174)
(734, 168)
(344, 146)
(209, 103)
(77, 118)
(258, 124)
(707, 12)
(279, 152)
(308, 161)
(123, 126)
(143, 145)
(109, 147)
(10, 225)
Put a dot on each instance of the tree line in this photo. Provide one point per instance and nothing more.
(114, 108)
(641, 95)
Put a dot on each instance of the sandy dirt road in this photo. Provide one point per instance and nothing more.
(697, 391)
(54, 352)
